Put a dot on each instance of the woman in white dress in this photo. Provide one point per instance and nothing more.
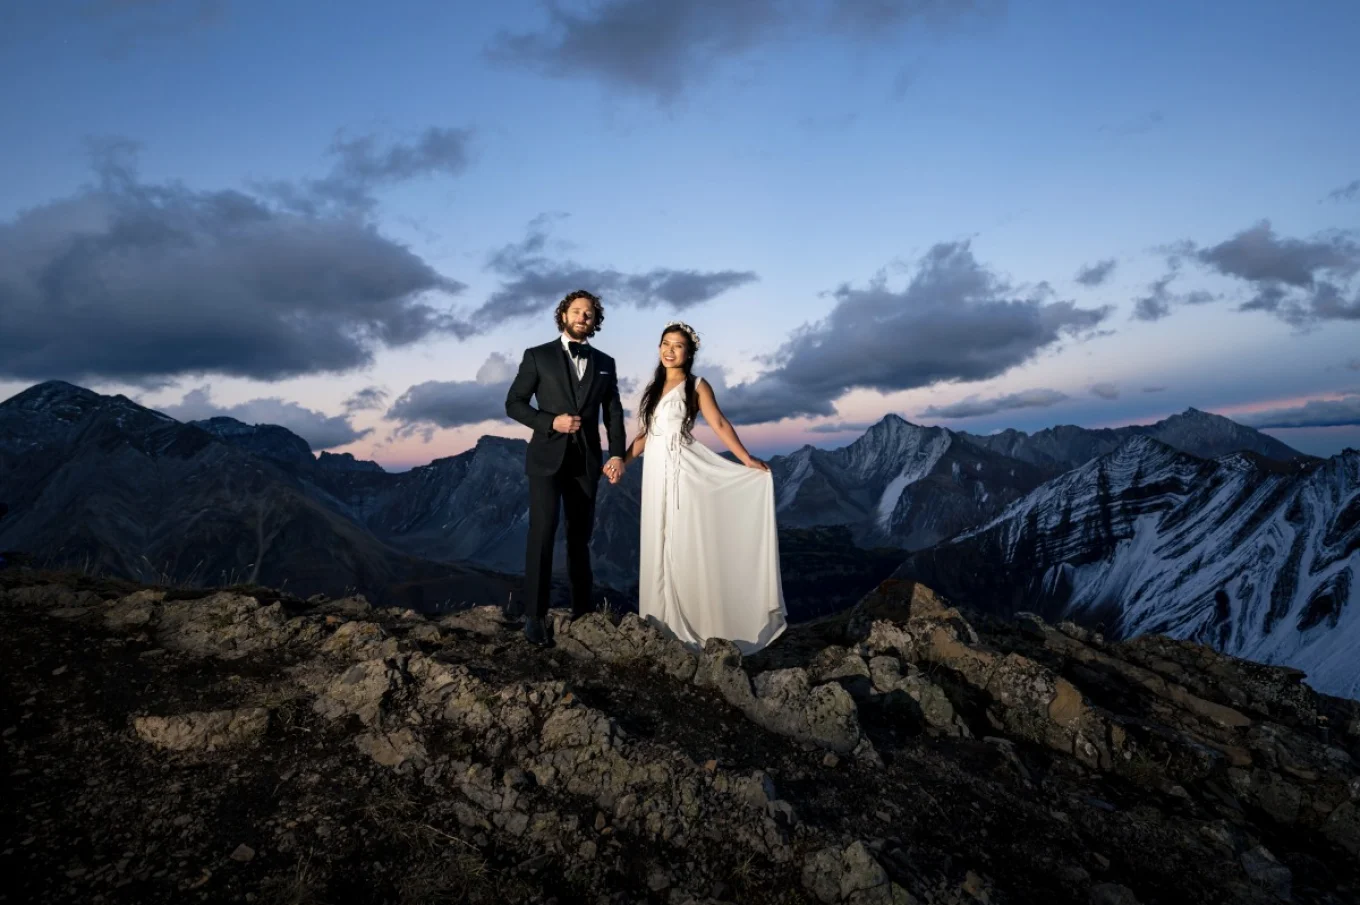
(710, 553)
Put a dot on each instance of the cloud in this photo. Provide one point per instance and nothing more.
(1353, 364)
(1299, 281)
(1348, 192)
(370, 397)
(1105, 390)
(533, 282)
(640, 44)
(454, 403)
(841, 427)
(955, 321)
(361, 166)
(973, 406)
(321, 431)
(656, 49)
(132, 281)
(1160, 299)
(1154, 389)
(1313, 413)
(1096, 273)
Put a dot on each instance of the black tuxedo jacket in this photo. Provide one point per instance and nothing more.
(548, 372)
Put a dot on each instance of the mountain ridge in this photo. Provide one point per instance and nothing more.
(1253, 556)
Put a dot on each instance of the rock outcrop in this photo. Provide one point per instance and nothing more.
(162, 747)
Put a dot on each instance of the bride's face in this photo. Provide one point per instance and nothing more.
(674, 350)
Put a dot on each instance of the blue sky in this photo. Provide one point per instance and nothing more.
(977, 214)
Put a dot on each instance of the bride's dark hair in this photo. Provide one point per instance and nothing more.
(652, 395)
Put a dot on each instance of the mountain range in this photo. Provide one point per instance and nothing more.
(102, 483)
(1254, 556)
(1194, 526)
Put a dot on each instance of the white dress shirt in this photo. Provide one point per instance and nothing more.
(580, 363)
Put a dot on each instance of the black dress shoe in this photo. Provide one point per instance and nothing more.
(535, 633)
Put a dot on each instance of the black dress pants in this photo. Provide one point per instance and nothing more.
(570, 491)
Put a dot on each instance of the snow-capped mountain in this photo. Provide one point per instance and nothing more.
(1253, 556)
(1201, 434)
(899, 484)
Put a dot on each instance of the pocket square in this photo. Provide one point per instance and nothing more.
(602, 373)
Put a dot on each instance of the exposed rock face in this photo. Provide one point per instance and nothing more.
(899, 484)
(899, 753)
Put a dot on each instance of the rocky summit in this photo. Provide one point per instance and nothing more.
(245, 745)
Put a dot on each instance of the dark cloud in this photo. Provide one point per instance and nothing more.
(1159, 301)
(973, 406)
(133, 281)
(640, 44)
(454, 403)
(1314, 413)
(360, 166)
(1300, 281)
(1096, 273)
(1348, 192)
(533, 282)
(1105, 390)
(1154, 389)
(955, 321)
(321, 431)
(656, 49)
(1257, 255)
(365, 399)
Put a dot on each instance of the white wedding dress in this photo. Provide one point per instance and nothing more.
(710, 553)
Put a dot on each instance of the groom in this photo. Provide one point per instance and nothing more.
(572, 380)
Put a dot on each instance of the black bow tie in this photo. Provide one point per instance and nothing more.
(576, 349)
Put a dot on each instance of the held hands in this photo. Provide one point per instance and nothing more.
(566, 424)
(613, 470)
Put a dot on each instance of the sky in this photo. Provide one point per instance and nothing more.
(352, 219)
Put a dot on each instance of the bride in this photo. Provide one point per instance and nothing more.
(710, 552)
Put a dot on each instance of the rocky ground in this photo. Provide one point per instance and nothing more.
(244, 745)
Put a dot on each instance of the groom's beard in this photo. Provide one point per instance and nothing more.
(578, 332)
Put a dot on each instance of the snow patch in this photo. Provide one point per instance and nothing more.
(920, 460)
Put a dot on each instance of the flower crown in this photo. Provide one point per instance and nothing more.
(689, 331)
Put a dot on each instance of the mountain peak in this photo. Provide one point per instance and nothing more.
(1209, 436)
(346, 462)
(64, 400)
(893, 423)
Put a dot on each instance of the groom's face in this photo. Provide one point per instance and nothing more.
(579, 319)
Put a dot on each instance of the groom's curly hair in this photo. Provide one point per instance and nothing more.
(563, 305)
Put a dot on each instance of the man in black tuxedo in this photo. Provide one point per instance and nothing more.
(572, 380)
